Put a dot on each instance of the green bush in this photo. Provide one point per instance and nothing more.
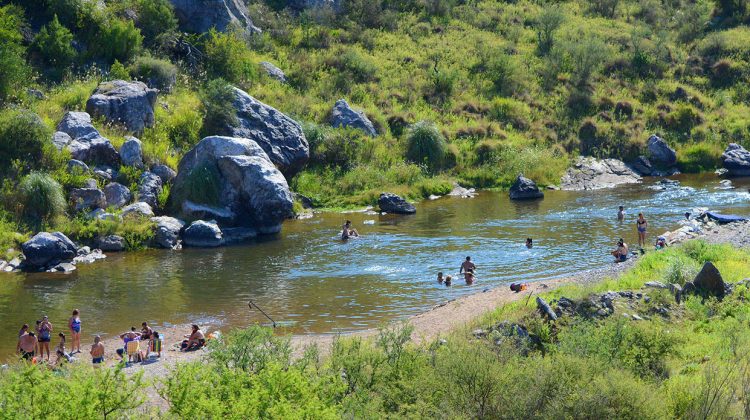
(23, 136)
(117, 40)
(54, 45)
(505, 74)
(155, 17)
(118, 72)
(218, 112)
(425, 145)
(699, 157)
(441, 87)
(352, 65)
(202, 185)
(41, 199)
(156, 73)
(343, 147)
(14, 72)
(510, 111)
(228, 57)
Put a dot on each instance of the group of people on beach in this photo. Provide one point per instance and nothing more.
(622, 251)
(37, 341)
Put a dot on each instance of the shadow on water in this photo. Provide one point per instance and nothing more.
(313, 282)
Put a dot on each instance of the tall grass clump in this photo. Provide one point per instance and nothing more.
(41, 199)
(23, 136)
(218, 113)
(425, 145)
(202, 185)
(156, 73)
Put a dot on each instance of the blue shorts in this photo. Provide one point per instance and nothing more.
(97, 360)
(623, 258)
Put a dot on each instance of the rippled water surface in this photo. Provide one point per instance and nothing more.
(312, 282)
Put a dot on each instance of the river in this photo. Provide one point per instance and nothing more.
(311, 282)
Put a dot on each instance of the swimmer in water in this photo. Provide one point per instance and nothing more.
(529, 243)
(440, 277)
(465, 267)
(348, 232)
(448, 280)
(469, 276)
(621, 213)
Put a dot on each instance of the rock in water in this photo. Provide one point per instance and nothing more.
(88, 198)
(660, 151)
(203, 234)
(200, 16)
(591, 174)
(117, 195)
(131, 153)
(345, 116)
(273, 71)
(253, 193)
(111, 243)
(46, 249)
(128, 103)
(709, 280)
(167, 231)
(149, 188)
(642, 166)
(524, 189)
(736, 160)
(280, 136)
(391, 203)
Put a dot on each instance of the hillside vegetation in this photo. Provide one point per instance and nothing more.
(469, 91)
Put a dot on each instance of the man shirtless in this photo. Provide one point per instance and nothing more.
(97, 351)
(468, 268)
(348, 232)
(27, 345)
(195, 340)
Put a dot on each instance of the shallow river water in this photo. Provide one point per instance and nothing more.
(310, 282)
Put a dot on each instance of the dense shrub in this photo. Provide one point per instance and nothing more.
(202, 185)
(505, 74)
(117, 71)
(155, 17)
(699, 157)
(510, 111)
(14, 72)
(549, 20)
(41, 199)
(218, 113)
(352, 65)
(53, 43)
(343, 148)
(227, 57)
(23, 136)
(117, 40)
(425, 145)
(156, 73)
(442, 85)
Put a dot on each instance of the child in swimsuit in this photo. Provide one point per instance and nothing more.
(75, 331)
(61, 354)
(448, 280)
(440, 277)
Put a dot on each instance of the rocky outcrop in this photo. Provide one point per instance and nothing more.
(164, 172)
(590, 174)
(87, 198)
(167, 232)
(117, 195)
(130, 104)
(111, 243)
(200, 16)
(709, 281)
(48, 249)
(149, 188)
(273, 71)
(203, 234)
(391, 203)
(131, 153)
(343, 115)
(77, 125)
(76, 134)
(139, 209)
(253, 192)
(77, 166)
(524, 189)
(660, 152)
(280, 136)
(736, 160)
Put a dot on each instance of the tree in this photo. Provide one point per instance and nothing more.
(549, 20)
(14, 72)
(155, 17)
(53, 42)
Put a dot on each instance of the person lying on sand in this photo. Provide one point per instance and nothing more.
(195, 340)
(621, 252)
(348, 232)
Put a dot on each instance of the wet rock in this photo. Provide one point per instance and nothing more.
(545, 309)
(655, 285)
(459, 191)
(642, 166)
(117, 195)
(139, 209)
(273, 71)
(149, 188)
(660, 152)
(111, 243)
(709, 281)
(130, 104)
(62, 268)
(89, 258)
(524, 189)
(343, 115)
(391, 203)
(199, 16)
(87, 198)
(46, 249)
(203, 234)
(131, 153)
(238, 234)
(590, 174)
(164, 172)
(195, 211)
(736, 160)
(167, 232)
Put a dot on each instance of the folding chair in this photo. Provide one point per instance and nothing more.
(155, 349)
(134, 350)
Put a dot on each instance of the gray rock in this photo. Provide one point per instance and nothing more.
(459, 191)
(60, 140)
(590, 174)
(64, 268)
(83, 141)
(106, 174)
(131, 153)
(391, 203)
(101, 214)
(524, 189)
(90, 183)
(203, 234)
(149, 188)
(35, 93)
(238, 234)
(709, 281)
(46, 249)
(200, 16)
(273, 71)
(87, 198)
(167, 231)
(545, 309)
(345, 116)
(117, 195)
(164, 172)
(89, 258)
(111, 243)
(77, 125)
(100, 150)
(655, 285)
(660, 152)
(736, 160)
(280, 136)
(253, 192)
(139, 209)
(642, 166)
(128, 103)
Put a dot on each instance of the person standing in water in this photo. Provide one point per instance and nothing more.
(641, 226)
(74, 323)
(348, 232)
(621, 214)
(468, 268)
(529, 243)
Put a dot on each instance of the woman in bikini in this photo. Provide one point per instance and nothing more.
(45, 336)
(641, 225)
(75, 332)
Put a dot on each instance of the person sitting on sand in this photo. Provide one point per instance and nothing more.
(621, 253)
(27, 346)
(465, 267)
(529, 243)
(440, 277)
(448, 280)
(348, 232)
(97, 351)
(127, 337)
(195, 340)
(661, 243)
(61, 353)
(146, 331)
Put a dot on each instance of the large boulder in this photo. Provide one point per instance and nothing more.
(117, 195)
(590, 174)
(139, 209)
(709, 281)
(273, 72)
(76, 134)
(660, 152)
(76, 166)
(253, 193)
(87, 198)
(111, 243)
(280, 136)
(77, 125)
(48, 249)
(166, 231)
(203, 234)
(164, 172)
(343, 115)
(130, 104)
(524, 189)
(736, 160)
(131, 152)
(391, 203)
(149, 188)
(200, 16)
